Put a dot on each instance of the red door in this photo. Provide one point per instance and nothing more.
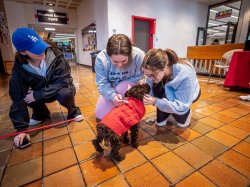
(143, 29)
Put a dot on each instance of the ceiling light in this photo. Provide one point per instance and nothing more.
(64, 37)
(50, 4)
(209, 30)
(212, 24)
(65, 34)
(234, 17)
(50, 29)
(213, 11)
(50, 10)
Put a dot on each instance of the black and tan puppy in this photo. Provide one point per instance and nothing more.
(113, 128)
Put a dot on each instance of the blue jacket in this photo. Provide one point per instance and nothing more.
(108, 76)
(180, 92)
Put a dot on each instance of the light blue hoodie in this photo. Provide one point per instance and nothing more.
(108, 76)
(180, 92)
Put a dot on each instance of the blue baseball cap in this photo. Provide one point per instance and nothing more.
(27, 39)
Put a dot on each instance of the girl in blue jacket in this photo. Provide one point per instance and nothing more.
(40, 75)
(174, 86)
(117, 68)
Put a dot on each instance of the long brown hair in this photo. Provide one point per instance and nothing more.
(119, 44)
(20, 58)
(158, 59)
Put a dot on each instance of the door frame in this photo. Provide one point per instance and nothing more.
(152, 26)
(204, 30)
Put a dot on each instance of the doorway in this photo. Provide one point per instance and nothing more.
(143, 30)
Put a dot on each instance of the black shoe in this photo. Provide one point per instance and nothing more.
(77, 116)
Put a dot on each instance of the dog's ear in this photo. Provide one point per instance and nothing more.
(148, 88)
(129, 86)
(126, 93)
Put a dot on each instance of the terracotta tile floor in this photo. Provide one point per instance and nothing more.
(213, 151)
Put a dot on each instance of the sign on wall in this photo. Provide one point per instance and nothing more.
(51, 17)
(223, 14)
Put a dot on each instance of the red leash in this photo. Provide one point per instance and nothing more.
(38, 128)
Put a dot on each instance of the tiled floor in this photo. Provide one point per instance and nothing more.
(213, 151)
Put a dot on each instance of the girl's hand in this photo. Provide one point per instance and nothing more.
(118, 100)
(149, 100)
(142, 80)
(29, 98)
(18, 140)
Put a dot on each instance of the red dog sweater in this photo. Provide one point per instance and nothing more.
(121, 118)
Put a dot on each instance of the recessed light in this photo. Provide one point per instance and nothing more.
(50, 29)
(213, 11)
(234, 17)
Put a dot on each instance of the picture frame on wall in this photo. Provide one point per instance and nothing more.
(89, 38)
(4, 31)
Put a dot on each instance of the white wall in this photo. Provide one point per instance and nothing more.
(176, 21)
(85, 14)
(101, 17)
(243, 22)
(88, 12)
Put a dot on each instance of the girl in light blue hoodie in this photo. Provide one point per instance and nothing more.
(117, 68)
(174, 86)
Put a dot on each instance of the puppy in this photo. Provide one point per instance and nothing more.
(113, 128)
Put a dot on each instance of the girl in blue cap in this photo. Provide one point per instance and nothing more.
(40, 75)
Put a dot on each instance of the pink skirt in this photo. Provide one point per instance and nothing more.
(104, 106)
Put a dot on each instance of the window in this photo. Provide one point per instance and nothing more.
(222, 22)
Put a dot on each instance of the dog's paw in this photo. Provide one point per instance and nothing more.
(97, 146)
(117, 157)
(135, 145)
(125, 140)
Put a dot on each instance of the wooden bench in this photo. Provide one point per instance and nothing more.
(204, 57)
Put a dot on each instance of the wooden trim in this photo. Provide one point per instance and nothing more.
(211, 52)
(8, 65)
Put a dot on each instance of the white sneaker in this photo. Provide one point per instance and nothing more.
(161, 124)
(78, 118)
(245, 97)
(34, 122)
(187, 123)
(150, 120)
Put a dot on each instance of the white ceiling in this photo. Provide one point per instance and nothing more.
(70, 4)
(211, 2)
(73, 4)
